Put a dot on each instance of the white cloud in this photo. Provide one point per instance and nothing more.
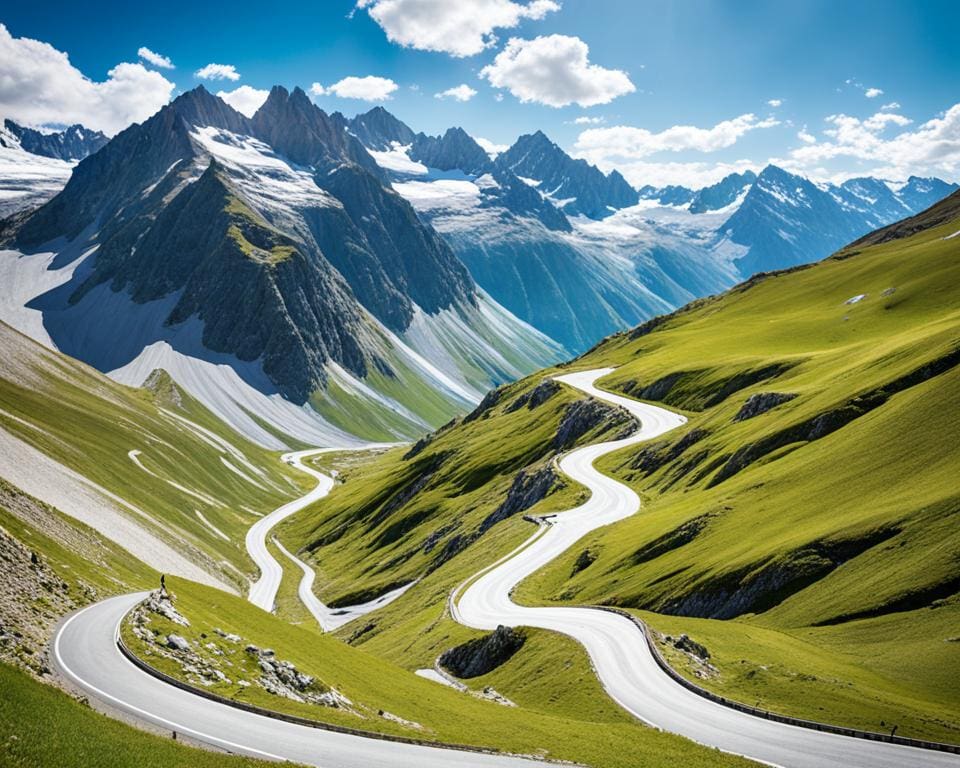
(39, 85)
(369, 88)
(775, 103)
(872, 93)
(451, 26)
(490, 147)
(892, 105)
(694, 175)
(606, 145)
(555, 70)
(218, 72)
(245, 99)
(932, 148)
(152, 57)
(462, 92)
(586, 120)
(806, 137)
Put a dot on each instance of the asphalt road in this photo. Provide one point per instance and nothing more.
(617, 648)
(85, 651)
(263, 592)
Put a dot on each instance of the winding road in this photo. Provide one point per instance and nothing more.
(263, 592)
(616, 646)
(85, 649)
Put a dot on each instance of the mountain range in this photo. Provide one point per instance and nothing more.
(264, 264)
(373, 270)
(587, 254)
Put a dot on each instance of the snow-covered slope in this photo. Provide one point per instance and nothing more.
(27, 180)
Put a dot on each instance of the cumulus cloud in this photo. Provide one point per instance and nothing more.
(369, 88)
(245, 99)
(39, 85)
(555, 70)
(872, 93)
(585, 120)
(890, 106)
(691, 174)
(462, 92)
(775, 103)
(458, 28)
(881, 145)
(218, 72)
(152, 57)
(607, 145)
(806, 137)
(490, 147)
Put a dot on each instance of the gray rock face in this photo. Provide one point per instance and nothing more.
(761, 403)
(536, 396)
(280, 304)
(684, 643)
(592, 193)
(378, 129)
(456, 149)
(74, 143)
(585, 415)
(178, 643)
(483, 654)
(525, 491)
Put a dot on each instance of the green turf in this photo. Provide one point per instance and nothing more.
(41, 726)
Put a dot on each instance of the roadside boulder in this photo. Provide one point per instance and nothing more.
(483, 654)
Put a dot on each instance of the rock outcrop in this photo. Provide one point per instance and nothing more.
(527, 489)
(761, 403)
(483, 654)
(586, 415)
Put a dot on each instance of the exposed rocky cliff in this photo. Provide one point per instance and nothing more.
(483, 654)
(73, 143)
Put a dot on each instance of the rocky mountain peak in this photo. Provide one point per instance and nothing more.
(200, 108)
(573, 184)
(73, 143)
(456, 149)
(378, 129)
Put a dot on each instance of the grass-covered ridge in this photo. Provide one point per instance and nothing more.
(156, 448)
(828, 520)
(802, 526)
(575, 722)
(415, 508)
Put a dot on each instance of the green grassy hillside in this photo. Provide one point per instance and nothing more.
(811, 545)
(581, 726)
(90, 424)
(41, 726)
(824, 528)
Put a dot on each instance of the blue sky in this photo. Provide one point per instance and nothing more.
(677, 92)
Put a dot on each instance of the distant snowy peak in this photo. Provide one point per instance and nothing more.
(715, 197)
(786, 219)
(71, 145)
(455, 150)
(722, 194)
(379, 130)
(575, 186)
